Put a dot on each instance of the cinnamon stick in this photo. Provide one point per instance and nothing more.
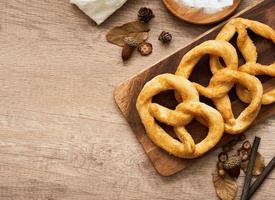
(251, 162)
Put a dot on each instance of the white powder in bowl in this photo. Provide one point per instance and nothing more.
(209, 6)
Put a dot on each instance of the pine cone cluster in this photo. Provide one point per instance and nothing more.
(165, 37)
(145, 14)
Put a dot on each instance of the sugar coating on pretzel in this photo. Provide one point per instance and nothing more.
(249, 52)
(149, 112)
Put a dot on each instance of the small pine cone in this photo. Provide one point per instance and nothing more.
(145, 48)
(145, 14)
(165, 37)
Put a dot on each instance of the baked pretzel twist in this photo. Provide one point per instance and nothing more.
(249, 89)
(249, 52)
(257, 69)
(222, 82)
(149, 112)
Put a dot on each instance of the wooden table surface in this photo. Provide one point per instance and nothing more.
(61, 134)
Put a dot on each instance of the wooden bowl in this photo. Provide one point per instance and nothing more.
(198, 16)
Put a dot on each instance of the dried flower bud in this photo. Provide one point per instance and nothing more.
(145, 48)
(244, 154)
(223, 157)
(246, 145)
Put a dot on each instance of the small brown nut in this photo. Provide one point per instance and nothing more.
(221, 172)
(127, 52)
(223, 157)
(246, 145)
(244, 154)
(145, 48)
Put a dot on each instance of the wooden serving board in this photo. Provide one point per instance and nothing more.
(126, 94)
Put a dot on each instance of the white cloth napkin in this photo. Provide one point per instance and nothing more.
(98, 10)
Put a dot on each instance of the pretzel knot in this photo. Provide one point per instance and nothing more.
(222, 82)
(257, 69)
(249, 52)
(217, 90)
(150, 113)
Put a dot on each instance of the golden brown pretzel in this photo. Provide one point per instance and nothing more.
(223, 82)
(249, 52)
(213, 47)
(218, 48)
(185, 147)
(217, 90)
(257, 69)
(249, 89)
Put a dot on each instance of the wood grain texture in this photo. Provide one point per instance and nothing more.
(127, 93)
(198, 16)
(61, 134)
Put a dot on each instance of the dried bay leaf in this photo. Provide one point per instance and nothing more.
(226, 187)
(136, 29)
(258, 167)
(119, 39)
